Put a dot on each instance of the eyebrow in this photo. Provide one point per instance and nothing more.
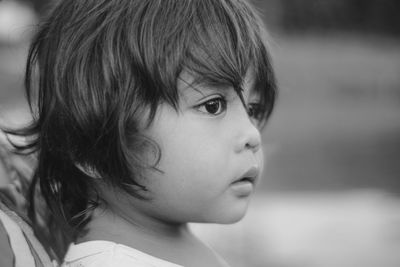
(238, 90)
(203, 87)
(190, 86)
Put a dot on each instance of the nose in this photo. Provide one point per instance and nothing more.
(249, 135)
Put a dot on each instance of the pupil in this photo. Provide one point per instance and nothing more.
(250, 111)
(212, 107)
(255, 111)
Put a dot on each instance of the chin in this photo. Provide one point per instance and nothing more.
(227, 215)
(233, 219)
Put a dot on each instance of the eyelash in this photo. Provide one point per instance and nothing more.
(222, 104)
(254, 110)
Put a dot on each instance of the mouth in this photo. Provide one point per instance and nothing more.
(243, 186)
(245, 180)
(249, 176)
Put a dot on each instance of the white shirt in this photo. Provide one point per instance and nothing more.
(110, 254)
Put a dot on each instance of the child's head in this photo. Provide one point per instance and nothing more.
(161, 100)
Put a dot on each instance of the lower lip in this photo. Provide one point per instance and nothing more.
(242, 188)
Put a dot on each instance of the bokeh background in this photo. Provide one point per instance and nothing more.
(330, 192)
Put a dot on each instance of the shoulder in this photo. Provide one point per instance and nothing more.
(19, 246)
(109, 254)
(6, 253)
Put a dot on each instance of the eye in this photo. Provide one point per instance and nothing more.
(255, 110)
(213, 106)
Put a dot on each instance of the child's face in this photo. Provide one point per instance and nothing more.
(206, 148)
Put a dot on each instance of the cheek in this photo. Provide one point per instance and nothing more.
(192, 161)
(191, 181)
(192, 145)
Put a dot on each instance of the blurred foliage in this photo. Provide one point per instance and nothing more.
(364, 16)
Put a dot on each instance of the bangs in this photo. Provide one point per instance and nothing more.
(217, 42)
(228, 42)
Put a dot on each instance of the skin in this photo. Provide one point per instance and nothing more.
(206, 146)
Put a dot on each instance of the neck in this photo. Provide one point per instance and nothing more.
(149, 235)
(122, 227)
(124, 221)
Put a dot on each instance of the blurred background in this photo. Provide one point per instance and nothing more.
(330, 192)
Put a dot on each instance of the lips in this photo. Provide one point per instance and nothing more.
(243, 186)
(249, 176)
(245, 179)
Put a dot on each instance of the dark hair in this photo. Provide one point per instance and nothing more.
(95, 65)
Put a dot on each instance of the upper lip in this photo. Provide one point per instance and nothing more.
(251, 174)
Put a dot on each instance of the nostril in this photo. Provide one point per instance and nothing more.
(253, 146)
(253, 139)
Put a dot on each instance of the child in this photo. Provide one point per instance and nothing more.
(147, 116)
